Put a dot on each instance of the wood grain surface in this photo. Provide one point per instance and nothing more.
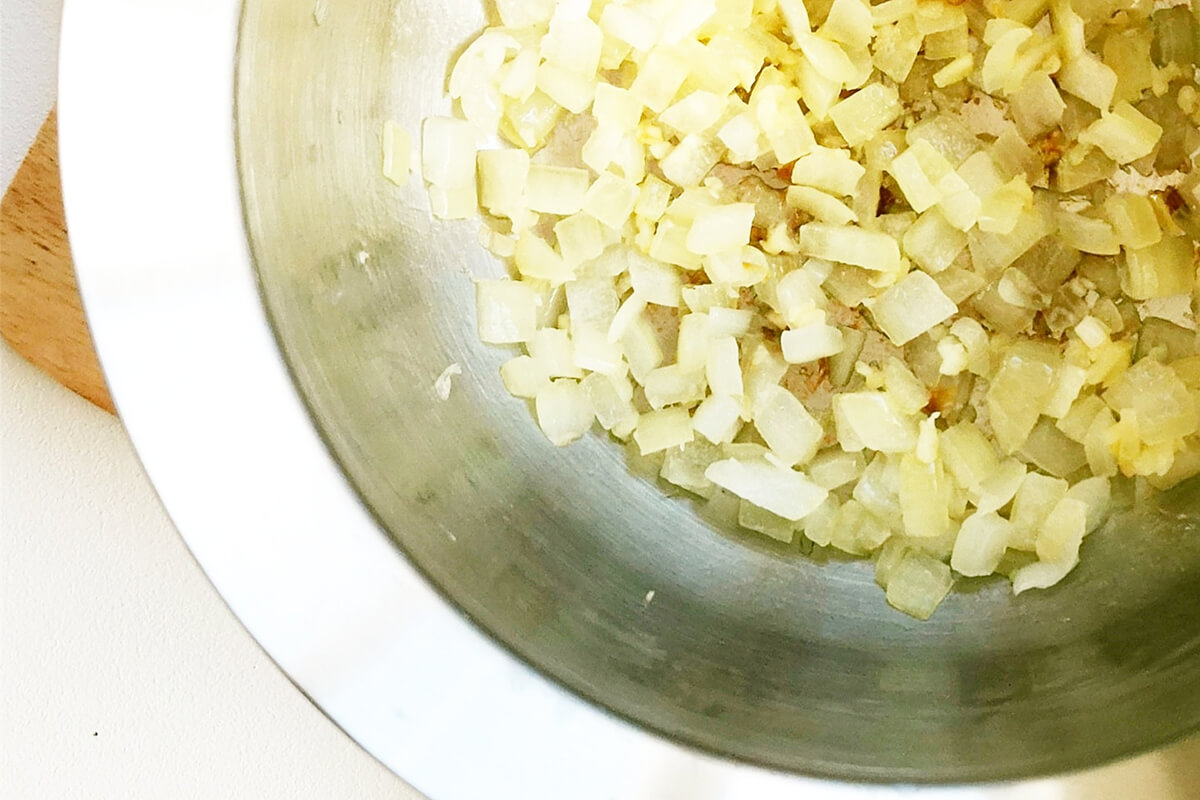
(41, 314)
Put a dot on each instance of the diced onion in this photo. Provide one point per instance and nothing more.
(866, 112)
(397, 153)
(448, 152)
(810, 343)
(556, 190)
(507, 311)
(912, 307)
(981, 542)
(918, 584)
(718, 418)
(850, 245)
(660, 430)
(786, 426)
(868, 419)
(893, 282)
(720, 229)
(563, 411)
(784, 492)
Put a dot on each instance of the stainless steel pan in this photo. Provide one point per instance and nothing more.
(283, 403)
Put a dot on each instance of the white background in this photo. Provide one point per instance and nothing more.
(122, 674)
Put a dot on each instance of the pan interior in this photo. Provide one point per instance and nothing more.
(748, 649)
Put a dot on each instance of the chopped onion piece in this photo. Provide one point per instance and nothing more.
(555, 353)
(453, 202)
(616, 108)
(1020, 390)
(829, 59)
(850, 245)
(568, 88)
(786, 426)
(630, 24)
(1089, 79)
(733, 322)
(797, 296)
(661, 430)
(741, 135)
(507, 311)
(1036, 498)
(691, 160)
(784, 492)
(722, 368)
(556, 190)
(695, 113)
(918, 584)
(867, 419)
(659, 78)
(640, 344)
(524, 376)
(795, 15)
(754, 518)
(912, 307)
(1161, 270)
(849, 22)
(684, 466)
(811, 342)
(1062, 532)
(744, 267)
(896, 48)
(502, 175)
(958, 69)
(866, 112)
(1001, 60)
(923, 503)
(397, 153)
(829, 170)
(1067, 386)
(1095, 494)
(980, 544)
(693, 343)
(654, 195)
(528, 122)
(833, 469)
(1124, 135)
(1134, 221)
(919, 190)
(1166, 411)
(1087, 234)
(563, 411)
(1038, 106)
(932, 242)
(718, 419)
(821, 206)
(655, 282)
(593, 352)
(1040, 575)
(673, 385)
(579, 239)
(534, 258)
(448, 152)
(782, 121)
(720, 229)
(573, 41)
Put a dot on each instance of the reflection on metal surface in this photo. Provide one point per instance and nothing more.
(756, 653)
(752, 651)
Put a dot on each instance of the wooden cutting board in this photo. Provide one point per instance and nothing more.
(41, 314)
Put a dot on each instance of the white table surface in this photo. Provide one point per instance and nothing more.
(122, 674)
